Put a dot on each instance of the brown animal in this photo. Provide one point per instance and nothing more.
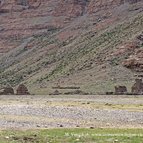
(22, 90)
(137, 88)
(120, 90)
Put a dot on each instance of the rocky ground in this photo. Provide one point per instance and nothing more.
(26, 112)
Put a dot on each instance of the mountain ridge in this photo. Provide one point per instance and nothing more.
(80, 48)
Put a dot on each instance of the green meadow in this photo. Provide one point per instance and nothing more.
(72, 136)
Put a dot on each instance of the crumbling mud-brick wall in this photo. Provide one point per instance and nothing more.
(120, 90)
(7, 91)
(22, 90)
(137, 88)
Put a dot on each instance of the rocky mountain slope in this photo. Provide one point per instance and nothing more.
(94, 44)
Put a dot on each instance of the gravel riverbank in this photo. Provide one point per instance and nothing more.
(27, 112)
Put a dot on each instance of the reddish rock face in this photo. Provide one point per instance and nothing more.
(76, 8)
(131, 63)
(135, 61)
(72, 8)
(96, 5)
(120, 90)
(22, 90)
(17, 26)
(137, 88)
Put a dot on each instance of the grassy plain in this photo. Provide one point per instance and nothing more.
(73, 136)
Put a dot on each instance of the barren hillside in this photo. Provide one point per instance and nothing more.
(94, 44)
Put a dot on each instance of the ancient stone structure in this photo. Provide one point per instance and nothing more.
(109, 93)
(56, 92)
(7, 91)
(22, 90)
(137, 88)
(120, 90)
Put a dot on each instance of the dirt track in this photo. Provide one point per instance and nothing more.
(24, 112)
